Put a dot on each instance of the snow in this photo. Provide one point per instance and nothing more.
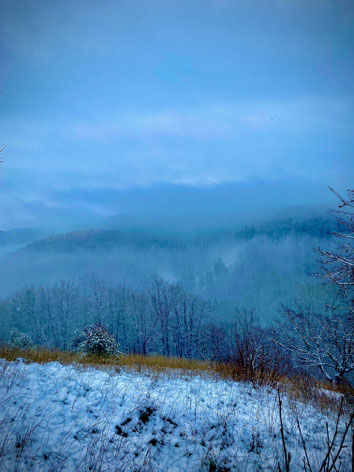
(71, 418)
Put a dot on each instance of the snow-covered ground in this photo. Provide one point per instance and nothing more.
(69, 418)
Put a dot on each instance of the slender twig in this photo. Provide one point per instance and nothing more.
(342, 442)
(287, 455)
(303, 444)
(334, 437)
(352, 448)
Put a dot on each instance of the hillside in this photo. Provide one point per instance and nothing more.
(67, 418)
(253, 267)
(96, 239)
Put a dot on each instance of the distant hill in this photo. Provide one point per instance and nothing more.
(256, 266)
(318, 227)
(96, 240)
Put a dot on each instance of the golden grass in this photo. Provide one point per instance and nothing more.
(135, 361)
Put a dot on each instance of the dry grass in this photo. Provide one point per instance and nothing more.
(299, 388)
(323, 394)
(258, 377)
(139, 362)
(135, 361)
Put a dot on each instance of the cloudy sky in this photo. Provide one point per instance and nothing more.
(105, 99)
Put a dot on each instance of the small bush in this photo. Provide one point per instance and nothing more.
(95, 340)
(20, 340)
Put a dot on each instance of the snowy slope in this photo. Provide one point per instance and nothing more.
(55, 417)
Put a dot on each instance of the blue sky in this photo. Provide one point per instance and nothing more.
(114, 97)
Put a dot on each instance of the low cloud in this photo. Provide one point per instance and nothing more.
(221, 121)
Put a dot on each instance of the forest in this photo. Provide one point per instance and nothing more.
(186, 295)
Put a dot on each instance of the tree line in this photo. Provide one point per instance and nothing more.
(164, 318)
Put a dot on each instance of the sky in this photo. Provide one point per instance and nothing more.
(105, 103)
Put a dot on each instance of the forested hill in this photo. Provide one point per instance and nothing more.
(103, 239)
(317, 227)
(96, 240)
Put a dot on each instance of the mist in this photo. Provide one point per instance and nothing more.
(175, 148)
(176, 227)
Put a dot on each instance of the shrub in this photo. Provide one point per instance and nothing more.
(95, 340)
(20, 340)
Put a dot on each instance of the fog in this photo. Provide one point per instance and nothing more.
(181, 148)
(168, 207)
(240, 266)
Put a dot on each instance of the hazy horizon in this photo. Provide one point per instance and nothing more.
(116, 107)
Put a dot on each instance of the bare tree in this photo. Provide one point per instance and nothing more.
(142, 327)
(118, 317)
(338, 265)
(162, 304)
(64, 297)
(326, 340)
(24, 310)
(96, 293)
(323, 341)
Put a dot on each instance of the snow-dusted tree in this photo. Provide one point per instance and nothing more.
(96, 291)
(338, 265)
(20, 340)
(320, 340)
(326, 340)
(64, 298)
(179, 316)
(95, 340)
